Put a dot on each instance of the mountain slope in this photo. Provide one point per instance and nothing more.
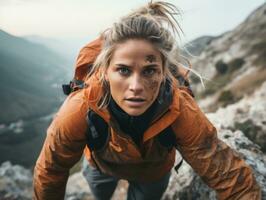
(28, 76)
(234, 62)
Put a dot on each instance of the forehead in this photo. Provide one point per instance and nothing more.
(136, 50)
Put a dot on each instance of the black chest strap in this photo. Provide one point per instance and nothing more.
(97, 135)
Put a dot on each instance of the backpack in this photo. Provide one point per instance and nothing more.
(97, 125)
(85, 60)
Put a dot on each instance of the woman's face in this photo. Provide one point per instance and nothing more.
(135, 74)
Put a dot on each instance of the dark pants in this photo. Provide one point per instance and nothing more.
(103, 186)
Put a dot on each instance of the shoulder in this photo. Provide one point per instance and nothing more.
(75, 104)
(71, 117)
(191, 122)
(184, 102)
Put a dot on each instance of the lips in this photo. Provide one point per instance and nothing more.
(135, 101)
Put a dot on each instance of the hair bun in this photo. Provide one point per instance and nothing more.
(151, 11)
(162, 12)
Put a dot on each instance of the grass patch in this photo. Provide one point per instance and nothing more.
(227, 97)
(214, 85)
(248, 83)
(235, 64)
(260, 50)
(252, 132)
(225, 73)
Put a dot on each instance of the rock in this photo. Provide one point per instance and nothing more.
(15, 182)
(121, 191)
(186, 185)
(247, 115)
(78, 188)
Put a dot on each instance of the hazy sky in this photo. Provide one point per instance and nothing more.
(86, 18)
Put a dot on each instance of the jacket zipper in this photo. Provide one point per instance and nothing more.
(160, 116)
(131, 120)
(122, 134)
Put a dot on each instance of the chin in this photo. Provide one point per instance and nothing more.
(134, 112)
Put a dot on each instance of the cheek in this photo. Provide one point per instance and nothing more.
(116, 86)
(152, 85)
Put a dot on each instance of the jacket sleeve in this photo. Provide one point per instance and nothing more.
(63, 147)
(220, 167)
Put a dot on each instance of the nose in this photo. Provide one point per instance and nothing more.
(136, 84)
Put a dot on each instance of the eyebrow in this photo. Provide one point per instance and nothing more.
(122, 65)
(145, 66)
(151, 65)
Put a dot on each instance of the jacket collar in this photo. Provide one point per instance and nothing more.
(166, 108)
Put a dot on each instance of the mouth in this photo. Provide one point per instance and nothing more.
(135, 101)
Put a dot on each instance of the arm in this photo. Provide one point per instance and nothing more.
(62, 148)
(219, 166)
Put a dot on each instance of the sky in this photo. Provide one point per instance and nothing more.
(87, 18)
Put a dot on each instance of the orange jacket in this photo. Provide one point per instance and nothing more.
(219, 166)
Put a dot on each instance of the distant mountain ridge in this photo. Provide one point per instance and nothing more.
(67, 48)
(196, 46)
(29, 73)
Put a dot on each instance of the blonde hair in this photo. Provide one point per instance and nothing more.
(154, 22)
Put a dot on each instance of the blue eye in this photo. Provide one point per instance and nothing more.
(124, 71)
(149, 71)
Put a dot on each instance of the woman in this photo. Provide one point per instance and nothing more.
(129, 117)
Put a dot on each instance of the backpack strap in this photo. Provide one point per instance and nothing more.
(73, 86)
(178, 165)
(167, 138)
(98, 134)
